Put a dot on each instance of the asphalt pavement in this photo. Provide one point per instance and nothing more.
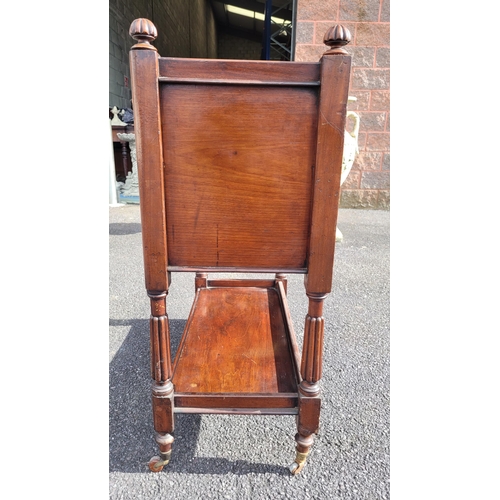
(247, 457)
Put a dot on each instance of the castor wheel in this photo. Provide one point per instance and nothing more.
(156, 464)
(300, 462)
(295, 468)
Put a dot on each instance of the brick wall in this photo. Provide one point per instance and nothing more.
(185, 29)
(367, 186)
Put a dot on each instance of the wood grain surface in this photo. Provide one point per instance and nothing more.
(235, 342)
(238, 167)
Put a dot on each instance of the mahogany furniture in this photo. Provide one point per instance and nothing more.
(239, 168)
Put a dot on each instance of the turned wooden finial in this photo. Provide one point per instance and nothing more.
(336, 37)
(144, 31)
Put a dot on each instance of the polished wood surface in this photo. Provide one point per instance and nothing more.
(239, 170)
(235, 342)
(215, 71)
(144, 80)
(328, 165)
(228, 145)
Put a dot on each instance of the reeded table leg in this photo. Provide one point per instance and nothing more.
(309, 390)
(163, 389)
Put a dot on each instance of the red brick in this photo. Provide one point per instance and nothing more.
(353, 179)
(356, 10)
(384, 199)
(362, 141)
(309, 53)
(372, 35)
(368, 161)
(313, 10)
(367, 185)
(386, 162)
(378, 142)
(380, 100)
(385, 11)
(362, 100)
(362, 56)
(375, 180)
(305, 32)
(372, 79)
(383, 57)
(372, 121)
(358, 198)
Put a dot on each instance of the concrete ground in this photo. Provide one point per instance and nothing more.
(240, 457)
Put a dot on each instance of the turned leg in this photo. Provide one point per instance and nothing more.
(309, 390)
(161, 373)
(125, 158)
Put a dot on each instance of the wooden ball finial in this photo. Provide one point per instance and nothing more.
(144, 31)
(336, 37)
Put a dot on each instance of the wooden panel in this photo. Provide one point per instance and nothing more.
(239, 72)
(238, 166)
(235, 342)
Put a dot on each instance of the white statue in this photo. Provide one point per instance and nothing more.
(116, 120)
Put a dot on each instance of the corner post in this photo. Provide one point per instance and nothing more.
(334, 88)
(146, 103)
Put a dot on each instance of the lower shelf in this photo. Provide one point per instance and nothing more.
(237, 352)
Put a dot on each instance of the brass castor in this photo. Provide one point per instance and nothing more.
(156, 464)
(298, 465)
(295, 468)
